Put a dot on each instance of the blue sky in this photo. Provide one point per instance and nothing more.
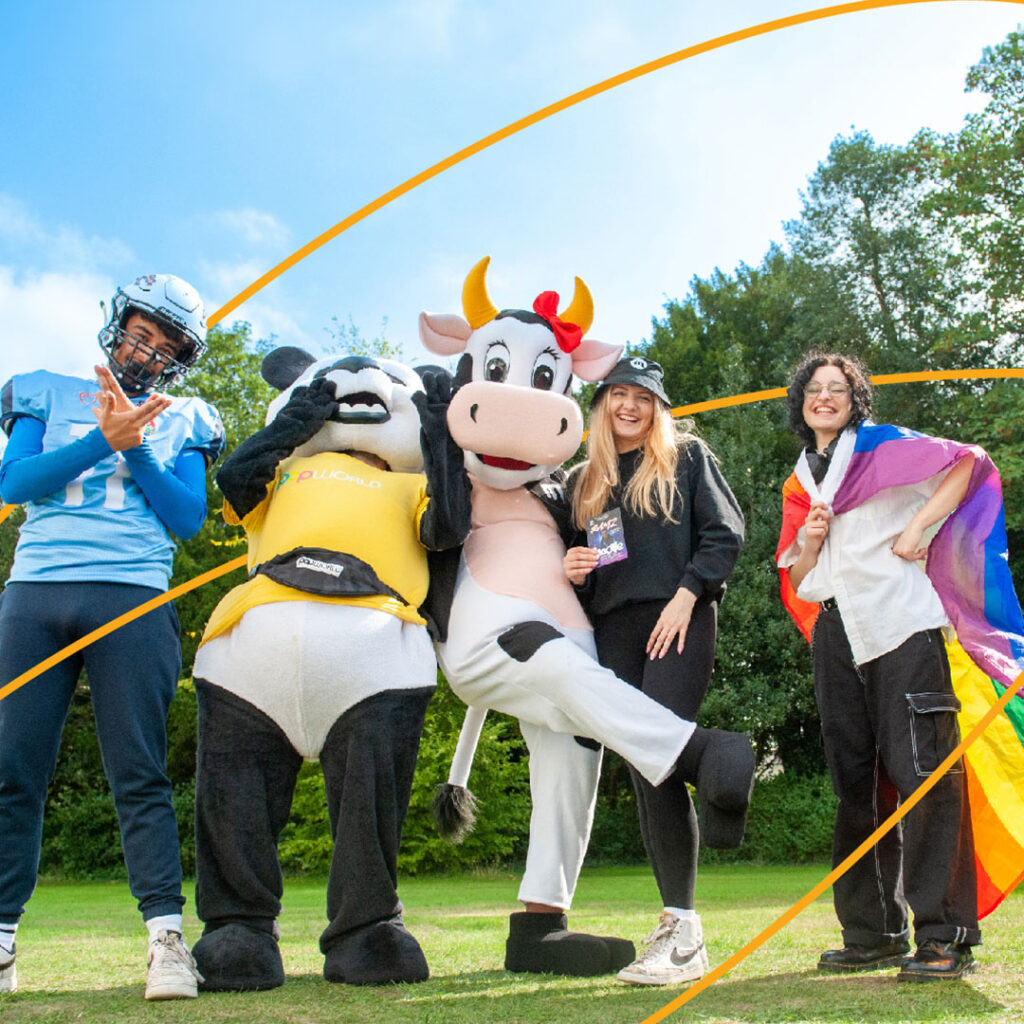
(212, 140)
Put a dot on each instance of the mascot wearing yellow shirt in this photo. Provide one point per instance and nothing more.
(323, 653)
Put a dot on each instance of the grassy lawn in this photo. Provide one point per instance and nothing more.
(82, 958)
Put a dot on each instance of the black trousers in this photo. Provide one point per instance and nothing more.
(245, 781)
(887, 724)
(668, 821)
(133, 677)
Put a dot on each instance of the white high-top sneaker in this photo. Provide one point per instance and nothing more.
(172, 972)
(8, 972)
(675, 953)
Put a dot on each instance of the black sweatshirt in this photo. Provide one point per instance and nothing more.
(698, 552)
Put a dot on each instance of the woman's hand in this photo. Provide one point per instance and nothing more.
(947, 496)
(579, 563)
(816, 525)
(120, 422)
(908, 543)
(673, 621)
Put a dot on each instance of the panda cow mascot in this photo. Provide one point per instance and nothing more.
(323, 654)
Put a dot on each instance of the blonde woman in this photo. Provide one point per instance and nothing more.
(655, 610)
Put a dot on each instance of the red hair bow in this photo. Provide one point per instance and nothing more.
(567, 335)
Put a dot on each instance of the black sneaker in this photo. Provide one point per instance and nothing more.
(864, 958)
(935, 960)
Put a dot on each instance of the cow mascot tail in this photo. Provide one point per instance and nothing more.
(323, 654)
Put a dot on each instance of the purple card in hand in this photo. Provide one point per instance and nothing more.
(605, 536)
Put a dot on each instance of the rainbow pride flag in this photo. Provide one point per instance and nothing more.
(969, 568)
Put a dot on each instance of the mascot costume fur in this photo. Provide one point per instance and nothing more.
(518, 640)
(323, 654)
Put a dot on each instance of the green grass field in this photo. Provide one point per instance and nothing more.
(82, 948)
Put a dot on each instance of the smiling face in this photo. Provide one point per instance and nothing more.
(827, 404)
(143, 355)
(631, 414)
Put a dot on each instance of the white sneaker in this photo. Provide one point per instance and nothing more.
(675, 954)
(172, 972)
(8, 972)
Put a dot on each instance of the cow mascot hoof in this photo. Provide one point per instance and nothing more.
(323, 654)
(542, 944)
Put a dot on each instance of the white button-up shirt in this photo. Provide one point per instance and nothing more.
(882, 598)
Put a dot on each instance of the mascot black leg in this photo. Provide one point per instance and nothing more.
(368, 761)
(245, 779)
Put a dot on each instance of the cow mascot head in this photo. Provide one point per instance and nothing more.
(516, 368)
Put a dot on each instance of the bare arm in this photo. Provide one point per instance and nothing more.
(946, 498)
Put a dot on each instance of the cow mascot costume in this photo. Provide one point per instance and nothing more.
(323, 653)
(518, 640)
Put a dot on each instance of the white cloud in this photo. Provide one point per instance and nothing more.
(50, 321)
(64, 249)
(268, 321)
(253, 226)
(16, 223)
(225, 280)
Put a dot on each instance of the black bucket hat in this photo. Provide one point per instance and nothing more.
(644, 373)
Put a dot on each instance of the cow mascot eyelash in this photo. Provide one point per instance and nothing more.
(323, 654)
(518, 640)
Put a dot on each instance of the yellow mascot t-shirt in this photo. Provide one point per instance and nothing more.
(336, 502)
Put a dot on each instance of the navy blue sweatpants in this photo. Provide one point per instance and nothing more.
(133, 675)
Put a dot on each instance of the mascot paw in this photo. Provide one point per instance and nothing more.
(541, 944)
(378, 954)
(725, 780)
(237, 958)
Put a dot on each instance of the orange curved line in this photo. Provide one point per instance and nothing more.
(121, 620)
(780, 922)
(879, 378)
(682, 410)
(544, 112)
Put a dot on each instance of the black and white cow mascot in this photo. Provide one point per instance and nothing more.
(323, 654)
(518, 640)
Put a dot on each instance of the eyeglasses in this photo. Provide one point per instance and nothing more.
(835, 388)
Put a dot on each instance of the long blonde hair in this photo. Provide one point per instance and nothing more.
(653, 489)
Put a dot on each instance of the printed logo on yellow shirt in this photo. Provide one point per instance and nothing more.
(326, 474)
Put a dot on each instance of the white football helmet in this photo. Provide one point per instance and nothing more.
(177, 309)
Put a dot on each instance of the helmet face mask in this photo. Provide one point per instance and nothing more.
(174, 308)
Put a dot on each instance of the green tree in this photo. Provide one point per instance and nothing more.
(228, 377)
(734, 334)
(346, 338)
(980, 188)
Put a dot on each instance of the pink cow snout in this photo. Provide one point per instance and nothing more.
(507, 421)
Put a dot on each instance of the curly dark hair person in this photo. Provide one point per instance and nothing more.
(860, 390)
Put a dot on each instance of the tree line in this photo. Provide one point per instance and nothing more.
(912, 258)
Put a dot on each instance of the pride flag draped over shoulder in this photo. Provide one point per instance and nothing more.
(969, 569)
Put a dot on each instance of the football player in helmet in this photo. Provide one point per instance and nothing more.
(156, 332)
(107, 471)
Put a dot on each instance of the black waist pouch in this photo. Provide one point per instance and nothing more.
(327, 573)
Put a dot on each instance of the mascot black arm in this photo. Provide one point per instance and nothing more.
(244, 476)
(445, 523)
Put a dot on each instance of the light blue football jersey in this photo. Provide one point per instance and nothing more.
(100, 526)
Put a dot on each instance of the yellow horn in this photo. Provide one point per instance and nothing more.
(581, 310)
(476, 303)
